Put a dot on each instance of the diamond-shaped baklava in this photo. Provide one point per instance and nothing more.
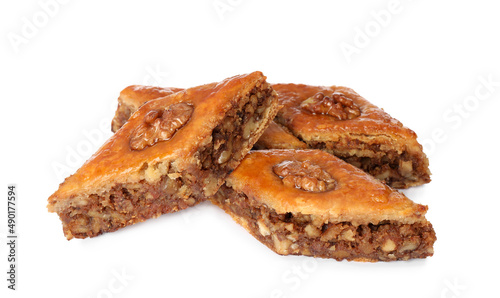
(172, 153)
(339, 121)
(309, 202)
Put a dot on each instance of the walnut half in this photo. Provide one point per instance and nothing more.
(160, 125)
(337, 105)
(304, 175)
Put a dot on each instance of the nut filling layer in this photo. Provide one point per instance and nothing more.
(127, 204)
(398, 169)
(300, 234)
(234, 134)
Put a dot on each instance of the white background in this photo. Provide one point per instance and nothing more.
(425, 62)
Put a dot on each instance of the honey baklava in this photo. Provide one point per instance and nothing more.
(309, 202)
(172, 153)
(341, 122)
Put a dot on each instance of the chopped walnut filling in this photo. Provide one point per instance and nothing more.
(231, 138)
(337, 105)
(302, 234)
(304, 175)
(236, 130)
(398, 169)
(126, 204)
(160, 125)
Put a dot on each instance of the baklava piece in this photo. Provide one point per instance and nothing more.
(339, 121)
(308, 202)
(172, 153)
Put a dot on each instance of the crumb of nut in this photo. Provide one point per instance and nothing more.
(211, 185)
(312, 231)
(347, 235)
(174, 175)
(406, 168)
(281, 246)
(249, 128)
(289, 227)
(263, 229)
(224, 156)
(388, 245)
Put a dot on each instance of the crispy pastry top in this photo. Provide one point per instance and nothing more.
(136, 95)
(116, 162)
(356, 197)
(309, 126)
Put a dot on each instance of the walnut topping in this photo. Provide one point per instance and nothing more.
(160, 125)
(337, 106)
(304, 175)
